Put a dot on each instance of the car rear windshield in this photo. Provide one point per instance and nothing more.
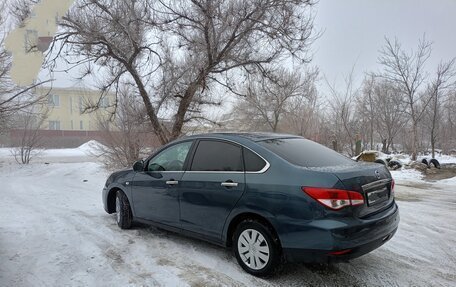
(305, 152)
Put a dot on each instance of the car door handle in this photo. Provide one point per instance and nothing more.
(229, 184)
(172, 182)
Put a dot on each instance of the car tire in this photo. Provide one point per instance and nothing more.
(435, 163)
(256, 248)
(394, 164)
(380, 161)
(123, 211)
(426, 162)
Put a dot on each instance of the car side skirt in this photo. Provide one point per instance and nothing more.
(181, 231)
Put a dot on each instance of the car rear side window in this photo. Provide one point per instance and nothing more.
(305, 152)
(217, 156)
(252, 161)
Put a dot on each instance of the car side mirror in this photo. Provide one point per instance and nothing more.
(138, 166)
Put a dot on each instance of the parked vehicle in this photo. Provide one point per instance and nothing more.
(268, 196)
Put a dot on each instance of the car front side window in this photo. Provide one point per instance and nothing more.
(171, 159)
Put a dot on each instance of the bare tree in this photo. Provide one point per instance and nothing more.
(28, 124)
(267, 100)
(21, 10)
(406, 71)
(438, 89)
(125, 135)
(186, 46)
(302, 116)
(342, 110)
(448, 126)
(366, 108)
(389, 112)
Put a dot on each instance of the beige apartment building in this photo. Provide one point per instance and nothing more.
(65, 108)
(27, 42)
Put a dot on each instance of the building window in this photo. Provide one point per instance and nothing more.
(104, 102)
(72, 126)
(53, 100)
(54, 125)
(31, 40)
(71, 105)
(81, 106)
(81, 125)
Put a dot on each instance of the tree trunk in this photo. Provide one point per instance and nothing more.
(384, 146)
(276, 122)
(156, 125)
(358, 145)
(334, 142)
(434, 124)
(371, 134)
(182, 110)
(415, 140)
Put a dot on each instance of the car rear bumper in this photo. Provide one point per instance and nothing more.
(343, 240)
(325, 256)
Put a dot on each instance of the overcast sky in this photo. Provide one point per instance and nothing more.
(354, 31)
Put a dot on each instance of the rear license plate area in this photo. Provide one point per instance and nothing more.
(377, 196)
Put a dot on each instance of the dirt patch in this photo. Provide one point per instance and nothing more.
(446, 171)
(165, 262)
(407, 197)
(114, 255)
(418, 185)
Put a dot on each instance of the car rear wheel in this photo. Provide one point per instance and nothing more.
(123, 211)
(256, 248)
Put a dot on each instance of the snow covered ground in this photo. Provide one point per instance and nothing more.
(54, 232)
(86, 152)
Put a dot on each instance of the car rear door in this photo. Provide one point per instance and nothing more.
(211, 187)
(155, 190)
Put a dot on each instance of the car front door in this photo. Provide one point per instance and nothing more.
(211, 187)
(155, 190)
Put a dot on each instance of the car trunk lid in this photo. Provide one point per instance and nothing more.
(373, 181)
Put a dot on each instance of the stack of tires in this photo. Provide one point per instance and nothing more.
(431, 162)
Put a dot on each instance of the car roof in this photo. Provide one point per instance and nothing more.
(253, 136)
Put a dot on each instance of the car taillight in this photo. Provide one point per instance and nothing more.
(334, 198)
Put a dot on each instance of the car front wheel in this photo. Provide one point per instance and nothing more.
(123, 211)
(256, 248)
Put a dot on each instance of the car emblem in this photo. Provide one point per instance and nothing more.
(377, 174)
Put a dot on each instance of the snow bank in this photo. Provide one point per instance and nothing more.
(88, 151)
(441, 158)
(91, 147)
(446, 158)
(448, 181)
(407, 174)
(406, 159)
